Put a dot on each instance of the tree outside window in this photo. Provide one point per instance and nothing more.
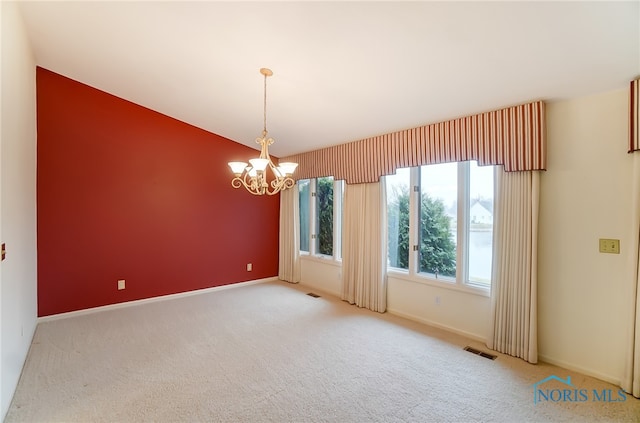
(437, 249)
(324, 213)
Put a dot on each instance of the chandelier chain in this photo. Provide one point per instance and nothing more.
(264, 129)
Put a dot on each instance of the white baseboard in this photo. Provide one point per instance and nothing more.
(437, 325)
(409, 317)
(152, 300)
(565, 365)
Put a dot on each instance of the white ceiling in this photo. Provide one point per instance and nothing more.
(343, 71)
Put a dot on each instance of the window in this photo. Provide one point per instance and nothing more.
(304, 191)
(321, 216)
(480, 225)
(398, 218)
(440, 222)
(438, 219)
(324, 216)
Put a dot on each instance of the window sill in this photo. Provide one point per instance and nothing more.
(321, 259)
(439, 283)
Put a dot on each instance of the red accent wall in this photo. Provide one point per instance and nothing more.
(128, 193)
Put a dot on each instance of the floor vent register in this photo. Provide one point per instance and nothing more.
(480, 353)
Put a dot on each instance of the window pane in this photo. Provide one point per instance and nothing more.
(324, 213)
(438, 218)
(480, 226)
(398, 218)
(303, 189)
(340, 218)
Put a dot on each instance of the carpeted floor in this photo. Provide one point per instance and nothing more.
(269, 352)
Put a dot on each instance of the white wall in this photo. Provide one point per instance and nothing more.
(585, 195)
(437, 305)
(455, 310)
(18, 296)
(321, 274)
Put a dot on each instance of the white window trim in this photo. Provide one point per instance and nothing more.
(313, 229)
(461, 282)
(337, 221)
(447, 283)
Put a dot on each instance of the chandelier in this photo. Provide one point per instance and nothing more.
(253, 176)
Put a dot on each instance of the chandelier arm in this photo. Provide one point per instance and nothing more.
(289, 183)
(258, 186)
(249, 183)
(237, 182)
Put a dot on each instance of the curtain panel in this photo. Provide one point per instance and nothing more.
(513, 137)
(513, 328)
(289, 245)
(631, 377)
(634, 116)
(364, 246)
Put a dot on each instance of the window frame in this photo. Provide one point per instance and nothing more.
(338, 193)
(309, 231)
(461, 282)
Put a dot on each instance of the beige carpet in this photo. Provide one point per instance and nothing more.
(269, 352)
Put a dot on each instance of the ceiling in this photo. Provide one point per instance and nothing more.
(343, 71)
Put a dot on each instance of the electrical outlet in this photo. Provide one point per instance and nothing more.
(610, 246)
(121, 284)
(249, 267)
(437, 300)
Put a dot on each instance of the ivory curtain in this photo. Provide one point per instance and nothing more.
(631, 377)
(513, 327)
(289, 251)
(364, 246)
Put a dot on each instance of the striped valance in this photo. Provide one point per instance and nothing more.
(634, 116)
(513, 137)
